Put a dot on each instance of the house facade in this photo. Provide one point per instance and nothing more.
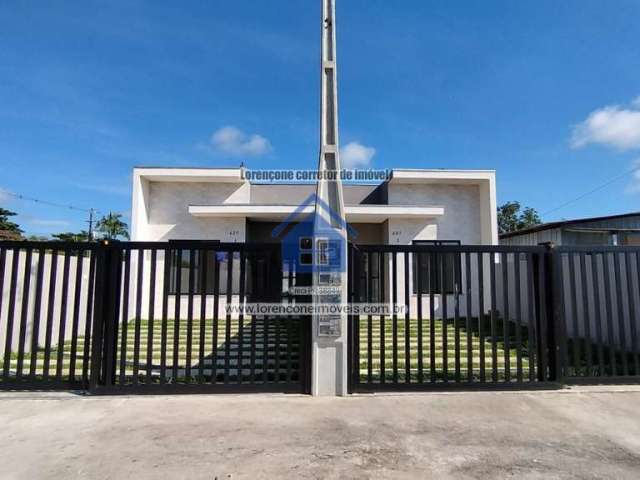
(219, 204)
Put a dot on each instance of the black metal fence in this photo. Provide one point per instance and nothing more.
(46, 306)
(473, 315)
(598, 310)
(147, 317)
(152, 316)
(494, 316)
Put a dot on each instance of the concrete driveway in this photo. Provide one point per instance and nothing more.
(566, 434)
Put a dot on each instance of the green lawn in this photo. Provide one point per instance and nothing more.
(280, 346)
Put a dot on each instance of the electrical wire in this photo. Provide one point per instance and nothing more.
(46, 202)
(599, 187)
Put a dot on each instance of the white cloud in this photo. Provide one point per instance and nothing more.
(233, 141)
(4, 196)
(634, 186)
(354, 155)
(612, 126)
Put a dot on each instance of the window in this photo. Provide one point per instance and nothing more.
(437, 271)
(323, 251)
(306, 250)
(202, 276)
(372, 285)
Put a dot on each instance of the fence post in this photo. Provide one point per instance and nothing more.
(106, 311)
(552, 296)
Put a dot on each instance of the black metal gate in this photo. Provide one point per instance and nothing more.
(472, 316)
(148, 317)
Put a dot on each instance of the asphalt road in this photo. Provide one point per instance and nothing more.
(566, 434)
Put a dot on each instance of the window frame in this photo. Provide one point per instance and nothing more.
(456, 272)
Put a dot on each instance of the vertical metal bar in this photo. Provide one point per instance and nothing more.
(358, 260)
(537, 291)
(63, 316)
(227, 339)
(37, 308)
(443, 300)
(632, 311)
(494, 333)
(468, 291)
(585, 313)
(394, 299)
(125, 318)
(532, 325)
(456, 313)
(94, 370)
(369, 318)
(112, 310)
(575, 343)
(243, 260)
(22, 336)
(350, 323)
(407, 322)
(382, 258)
(480, 260)
(176, 315)
(76, 314)
(50, 308)
(506, 327)
(621, 326)
(518, 316)
(138, 321)
(418, 276)
(192, 254)
(89, 319)
(165, 313)
(216, 305)
(557, 336)
(13, 286)
(152, 314)
(204, 266)
(597, 312)
(608, 311)
(3, 259)
(432, 317)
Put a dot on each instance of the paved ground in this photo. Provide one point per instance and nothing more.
(583, 434)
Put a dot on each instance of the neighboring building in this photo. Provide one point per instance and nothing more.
(9, 235)
(219, 204)
(611, 230)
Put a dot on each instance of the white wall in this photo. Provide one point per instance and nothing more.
(462, 220)
(167, 216)
(56, 313)
(462, 210)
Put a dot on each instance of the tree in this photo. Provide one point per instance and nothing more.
(38, 238)
(8, 226)
(511, 219)
(82, 236)
(112, 227)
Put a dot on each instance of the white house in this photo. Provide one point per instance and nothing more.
(219, 204)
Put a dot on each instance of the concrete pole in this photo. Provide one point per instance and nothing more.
(329, 331)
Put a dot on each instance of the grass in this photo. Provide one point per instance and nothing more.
(377, 366)
(225, 355)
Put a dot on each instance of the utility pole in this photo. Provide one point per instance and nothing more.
(329, 331)
(90, 222)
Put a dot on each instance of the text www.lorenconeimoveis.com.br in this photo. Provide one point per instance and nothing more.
(315, 309)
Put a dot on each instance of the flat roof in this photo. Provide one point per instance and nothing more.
(234, 174)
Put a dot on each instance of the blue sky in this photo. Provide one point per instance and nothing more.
(545, 92)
